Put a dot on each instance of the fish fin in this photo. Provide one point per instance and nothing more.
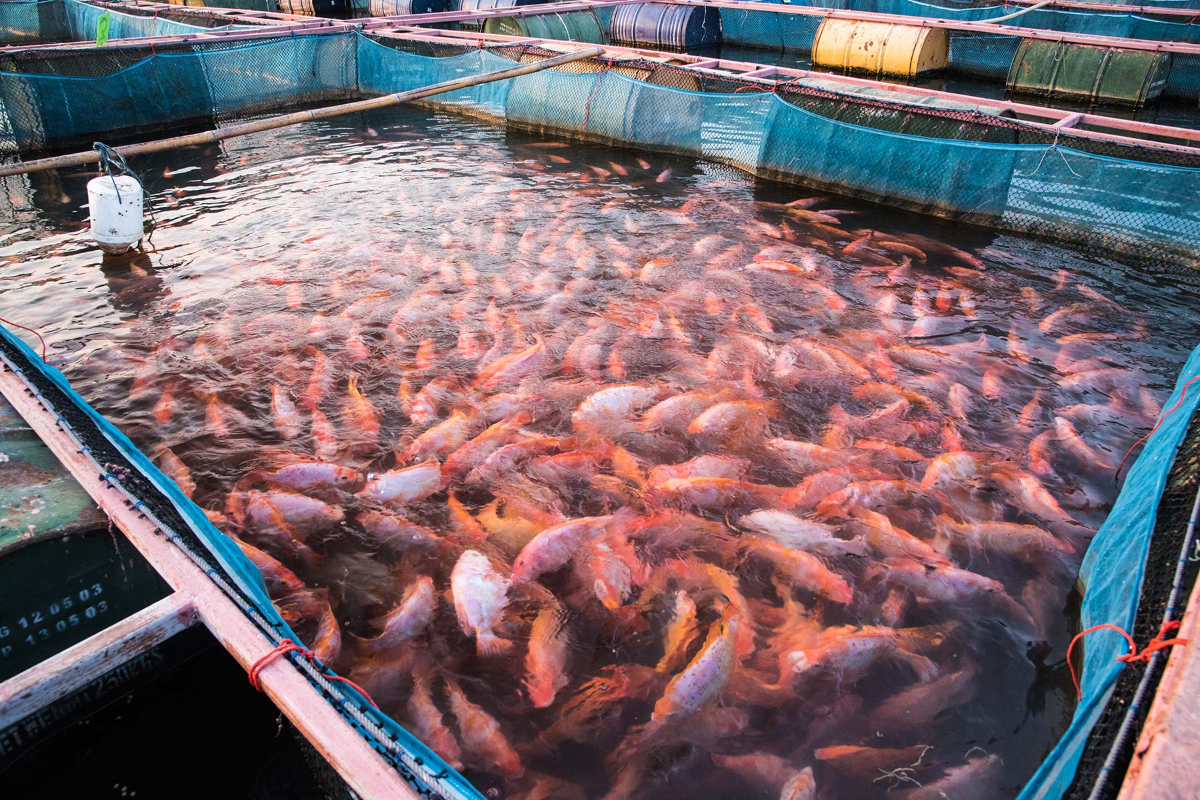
(488, 644)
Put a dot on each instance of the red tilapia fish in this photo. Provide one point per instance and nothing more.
(709, 499)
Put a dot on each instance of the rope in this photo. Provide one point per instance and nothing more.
(1155, 644)
(1182, 394)
(587, 105)
(288, 646)
(1054, 147)
(110, 159)
(31, 330)
(1016, 14)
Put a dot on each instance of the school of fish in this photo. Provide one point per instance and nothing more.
(712, 498)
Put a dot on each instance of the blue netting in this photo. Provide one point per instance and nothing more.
(789, 33)
(1112, 575)
(84, 19)
(1183, 81)
(383, 70)
(955, 164)
(432, 776)
(33, 21)
(169, 88)
(1082, 197)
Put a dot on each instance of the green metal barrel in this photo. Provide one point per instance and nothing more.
(1087, 73)
(571, 26)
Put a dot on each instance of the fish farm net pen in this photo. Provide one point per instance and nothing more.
(1110, 746)
(143, 491)
(298, 117)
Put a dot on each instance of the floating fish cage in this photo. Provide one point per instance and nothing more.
(651, 463)
(1079, 67)
(768, 127)
(1165, 21)
(75, 20)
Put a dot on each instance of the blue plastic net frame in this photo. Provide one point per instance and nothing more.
(184, 523)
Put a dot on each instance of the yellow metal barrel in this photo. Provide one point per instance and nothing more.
(879, 48)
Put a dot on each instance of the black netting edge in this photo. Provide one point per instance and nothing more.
(121, 474)
(1170, 532)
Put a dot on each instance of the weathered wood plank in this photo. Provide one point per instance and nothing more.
(63, 673)
(364, 769)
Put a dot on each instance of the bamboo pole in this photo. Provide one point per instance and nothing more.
(284, 120)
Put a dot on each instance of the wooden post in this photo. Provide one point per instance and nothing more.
(73, 668)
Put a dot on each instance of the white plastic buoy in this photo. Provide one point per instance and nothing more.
(115, 209)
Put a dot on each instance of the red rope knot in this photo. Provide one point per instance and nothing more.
(1156, 644)
(288, 646)
(285, 646)
(1159, 642)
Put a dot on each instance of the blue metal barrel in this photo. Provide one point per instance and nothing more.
(666, 26)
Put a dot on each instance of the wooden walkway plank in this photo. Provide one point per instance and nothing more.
(78, 665)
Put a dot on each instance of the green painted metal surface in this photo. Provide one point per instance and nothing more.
(64, 574)
(574, 26)
(57, 592)
(1088, 73)
(38, 497)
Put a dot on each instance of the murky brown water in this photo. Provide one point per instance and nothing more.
(714, 488)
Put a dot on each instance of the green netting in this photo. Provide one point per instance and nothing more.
(24, 21)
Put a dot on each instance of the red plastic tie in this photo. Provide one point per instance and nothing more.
(1182, 394)
(1155, 644)
(288, 646)
(31, 330)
